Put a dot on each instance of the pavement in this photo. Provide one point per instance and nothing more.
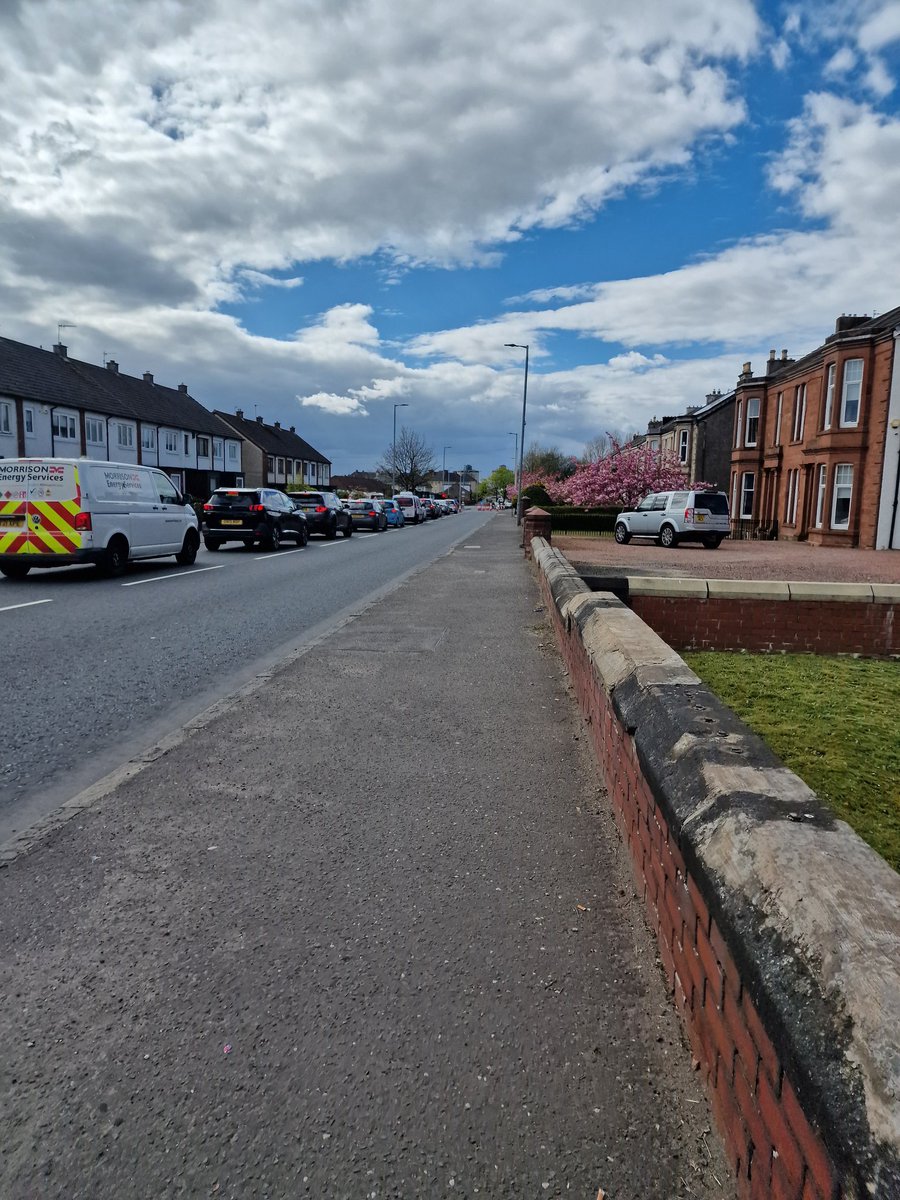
(793, 561)
(367, 932)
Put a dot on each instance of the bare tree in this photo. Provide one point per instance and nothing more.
(411, 463)
(547, 460)
(598, 447)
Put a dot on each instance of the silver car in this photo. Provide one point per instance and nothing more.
(673, 517)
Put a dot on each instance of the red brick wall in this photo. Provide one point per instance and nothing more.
(796, 626)
(774, 1150)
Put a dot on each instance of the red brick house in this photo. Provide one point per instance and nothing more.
(816, 444)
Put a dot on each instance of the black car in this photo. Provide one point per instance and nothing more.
(324, 513)
(368, 513)
(250, 515)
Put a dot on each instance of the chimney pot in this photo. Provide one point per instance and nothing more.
(61, 350)
(293, 429)
(771, 355)
(148, 378)
(277, 424)
(113, 366)
(784, 356)
(239, 413)
(182, 387)
(747, 369)
(259, 420)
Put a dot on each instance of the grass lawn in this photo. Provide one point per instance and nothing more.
(834, 721)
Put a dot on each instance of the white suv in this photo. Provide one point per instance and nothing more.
(673, 517)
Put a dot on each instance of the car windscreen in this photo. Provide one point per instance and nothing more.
(714, 502)
(233, 499)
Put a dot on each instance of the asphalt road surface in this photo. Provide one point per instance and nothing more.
(95, 670)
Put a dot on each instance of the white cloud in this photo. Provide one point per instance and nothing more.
(780, 54)
(881, 28)
(340, 406)
(261, 279)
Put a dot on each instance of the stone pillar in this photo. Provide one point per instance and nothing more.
(536, 523)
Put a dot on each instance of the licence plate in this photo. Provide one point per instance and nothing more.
(11, 522)
(699, 518)
(232, 522)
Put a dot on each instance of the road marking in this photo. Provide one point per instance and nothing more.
(471, 547)
(27, 604)
(363, 536)
(270, 557)
(179, 575)
(331, 545)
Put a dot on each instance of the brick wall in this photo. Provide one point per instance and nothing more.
(729, 852)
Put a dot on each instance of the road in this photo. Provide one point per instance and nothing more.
(96, 670)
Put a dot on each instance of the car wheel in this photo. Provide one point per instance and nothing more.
(187, 555)
(115, 558)
(15, 570)
(348, 529)
(212, 544)
(623, 537)
(713, 541)
(331, 531)
(668, 537)
(273, 542)
(303, 536)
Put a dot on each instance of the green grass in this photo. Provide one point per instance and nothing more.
(834, 721)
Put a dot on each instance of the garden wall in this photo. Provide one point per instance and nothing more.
(778, 928)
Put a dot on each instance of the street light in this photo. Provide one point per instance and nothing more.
(394, 450)
(519, 504)
(444, 466)
(512, 433)
(460, 490)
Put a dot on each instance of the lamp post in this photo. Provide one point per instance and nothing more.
(444, 466)
(519, 505)
(513, 433)
(460, 490)
(394, 450)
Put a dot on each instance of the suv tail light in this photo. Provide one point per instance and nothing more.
(207, 508)
(83, 522)
(321, 508)
(689, 514)
(257, 508)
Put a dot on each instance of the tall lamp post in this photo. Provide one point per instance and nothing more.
(394, 450)
(512, 433)
(519, 503)
(444, 466)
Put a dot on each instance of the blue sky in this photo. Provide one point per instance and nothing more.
(316, 211)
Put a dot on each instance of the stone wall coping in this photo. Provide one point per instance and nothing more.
(655, 585)
(886, 593)
(749, 589)
(860, 592)
(810, 913)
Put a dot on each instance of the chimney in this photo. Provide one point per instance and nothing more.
(239, 413)
(182, 387)
(771, 356)
(113, 366)
(691, 408)
(713, 396)
(277, 424)
(747, 371)
(148, 378)
(784, 356)
(293, 429)
(61, 350)
(259, 420)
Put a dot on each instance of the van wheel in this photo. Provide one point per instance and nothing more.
(187, 555)
(623, 537)
(15, 570)
(667, 537)
(713, 542)
(115, 558)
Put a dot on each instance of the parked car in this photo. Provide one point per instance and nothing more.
(673, 517)
(413, 512)
(367, 514)
(431, 512)
(393, 513)
(249, 515)
(60, 511)
(325, 513)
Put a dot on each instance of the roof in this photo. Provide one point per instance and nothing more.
(31, 373)
(272, 439)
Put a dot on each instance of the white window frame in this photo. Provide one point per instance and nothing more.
(217, 447)
(793, 489)
(270, 464)
(202, 446)
(71, 426)
(280, 466)
(171, 441)
(778, 412)
(124, 436)
(753, 406)
(739, 425)
(846, 394)
(821, 489)
(148, 438)
(830, 374)
(94, 425)
(747, 493)
(5, 417)
(232, 452)
(683, 446)
(28, 417)
(799, 415)
(838, 492)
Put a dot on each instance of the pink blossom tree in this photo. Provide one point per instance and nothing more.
(623, 476)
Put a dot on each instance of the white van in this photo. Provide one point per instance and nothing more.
(58, 511)
(411, 507)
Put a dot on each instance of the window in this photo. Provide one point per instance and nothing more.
(171, 441)
(752, 421)
(790, 507)
(270, 465)
(748, 482)
(5, 426)
(843, 490)
(683, 446)
(148, 438)
(778, 408)
(203, 447)
(187, 444)
(829, 396)
(125, 436)
(281, 466)
(738, 423)
(217, 447)
(232, 451)
(64, 426)
(29, 420)
(94, 431)
(853, 370)
(166, 490)
(799, 412)
(820, 495)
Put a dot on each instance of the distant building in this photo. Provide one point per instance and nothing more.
(364, 482)
(55, 406)
(277, 457)
(699, 438)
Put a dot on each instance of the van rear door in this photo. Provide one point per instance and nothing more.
(39, 503)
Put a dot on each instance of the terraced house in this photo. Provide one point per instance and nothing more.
(56, 406)
(816, 445)
(275, 456)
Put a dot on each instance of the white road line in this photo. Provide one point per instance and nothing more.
(179, 575)
(362, 536)
(27, 604)
(271, 557)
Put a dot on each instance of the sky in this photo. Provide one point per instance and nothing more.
(315, 210)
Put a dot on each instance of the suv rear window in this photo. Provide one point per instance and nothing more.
(363, 504)
(714, 502)
(310, 498)
(233, 498)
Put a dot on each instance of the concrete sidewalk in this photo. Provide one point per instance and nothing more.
(367, 934)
